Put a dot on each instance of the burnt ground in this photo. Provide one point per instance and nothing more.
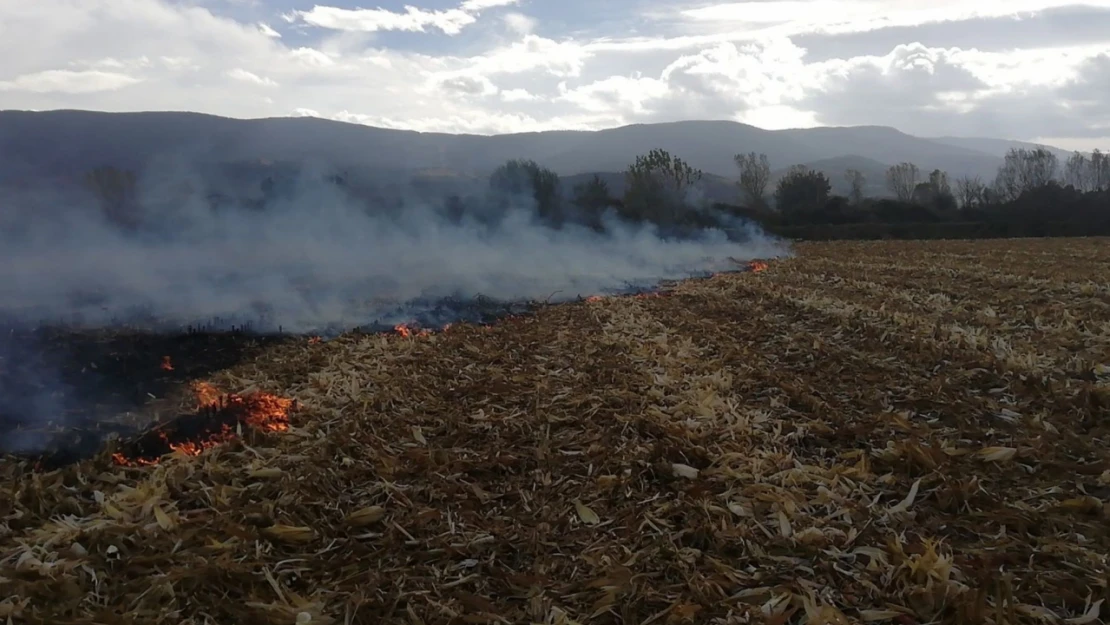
(63, 391)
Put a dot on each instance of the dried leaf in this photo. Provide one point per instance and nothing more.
(163, 519)
(997, 454)
(589, 517)
(418, 435)
(266, 473)
(366, 516)
(684, 470)
(289, 533)
(905, 504)
(1090, 616)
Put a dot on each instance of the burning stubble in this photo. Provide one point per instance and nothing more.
(315, 263)
(219, 418)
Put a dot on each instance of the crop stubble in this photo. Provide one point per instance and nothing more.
(901, 432)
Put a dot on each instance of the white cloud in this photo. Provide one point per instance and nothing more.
(250, 77)
(68, 81)
(519, 23)
(481, 5)
(265, 29)
(158, 54)
(413, 19)
(844, 16)
(533, 52)
(518, 95)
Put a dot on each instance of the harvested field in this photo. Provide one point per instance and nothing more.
(883, 432)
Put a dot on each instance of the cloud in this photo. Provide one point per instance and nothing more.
(930, 91)
(413, 19)
(519, 23)
(67, 81)
(726, 81)
(859, 16)
(250, 77)
(469, 85)
(158, 54)
(518, 95)
(1065, 26)
(265, 29)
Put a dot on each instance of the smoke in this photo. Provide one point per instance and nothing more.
(313, 260)
(316, 260)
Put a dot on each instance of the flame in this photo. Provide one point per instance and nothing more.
(167, 364)
(406, 330)
(758, 265)
(312, 340)
(594, 298)
(258, 410)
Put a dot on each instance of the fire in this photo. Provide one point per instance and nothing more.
(217, 420)
(406, 331)
(594, 298)
(758, 265)
(167, 364)
(312, 340)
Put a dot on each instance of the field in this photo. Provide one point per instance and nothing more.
(893, 432)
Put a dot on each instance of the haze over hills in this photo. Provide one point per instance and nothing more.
(67, 142)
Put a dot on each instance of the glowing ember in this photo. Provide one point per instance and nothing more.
(167, 364)
(758, 265)
(217, 420)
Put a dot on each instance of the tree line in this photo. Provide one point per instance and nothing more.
(1030, 189)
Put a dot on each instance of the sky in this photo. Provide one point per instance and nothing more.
(1035, 70)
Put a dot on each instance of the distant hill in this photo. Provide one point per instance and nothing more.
(65, 143)
(998, 147)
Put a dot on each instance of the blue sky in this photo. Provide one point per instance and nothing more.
(1023, 69)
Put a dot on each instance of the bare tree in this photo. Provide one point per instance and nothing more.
(901, 179)
(1077, 171)
(970, 192)
(1024, 170)
(755, 175)
(1100, 171)
(856, 181)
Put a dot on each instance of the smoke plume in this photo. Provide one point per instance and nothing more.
(316, 261)
(313, 259)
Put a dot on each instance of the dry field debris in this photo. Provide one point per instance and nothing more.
(891, 432)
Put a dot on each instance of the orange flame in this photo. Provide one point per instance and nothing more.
(312, 340)
(594, 298)
(758, 265)
(167, 364)
(261, 411)
(406, 331)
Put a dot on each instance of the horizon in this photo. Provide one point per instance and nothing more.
(1032, 71)
(503, 134)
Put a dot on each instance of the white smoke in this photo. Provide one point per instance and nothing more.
(318, 260)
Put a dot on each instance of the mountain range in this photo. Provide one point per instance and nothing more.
(64, 143)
